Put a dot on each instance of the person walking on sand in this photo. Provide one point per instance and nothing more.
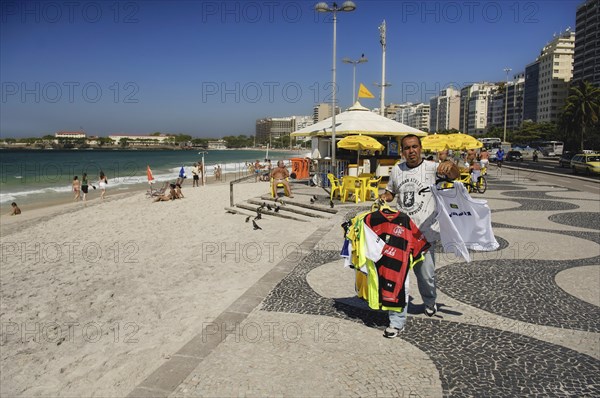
(84, 187)
(102, 184)
(280, 175)
(411, 181)
(76, 188)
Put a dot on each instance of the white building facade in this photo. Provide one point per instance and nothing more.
(445, 110)
(555, 73)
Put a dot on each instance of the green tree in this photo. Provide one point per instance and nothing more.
(581, 112)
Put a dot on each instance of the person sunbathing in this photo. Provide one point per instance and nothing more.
(178, 193)
(172, 195)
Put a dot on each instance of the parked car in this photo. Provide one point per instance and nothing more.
(588, 163)
(565, 159)
(513, 156)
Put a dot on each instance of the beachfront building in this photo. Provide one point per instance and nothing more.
(530, 93)
(498, 108)
(71, 135)
(555, 73)
(217, 144)
(474, 100)
(391, 110)
(145, 140)
(444, 110)
(271, 128)
(586, 66)
(402, 112)
(323, 111)
(413, 115)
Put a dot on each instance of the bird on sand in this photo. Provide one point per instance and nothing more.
(255, 225)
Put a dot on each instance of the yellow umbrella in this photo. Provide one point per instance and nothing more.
(463, 141)
(435, 142)
(360, 143)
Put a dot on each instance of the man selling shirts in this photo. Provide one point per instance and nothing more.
(411, 181)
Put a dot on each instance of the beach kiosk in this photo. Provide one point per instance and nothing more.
(356, 120)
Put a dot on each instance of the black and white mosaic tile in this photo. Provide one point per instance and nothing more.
(539, 205)
(583, 219)
(471, 360)
(524, 290)
(538, 195)
(591, 236)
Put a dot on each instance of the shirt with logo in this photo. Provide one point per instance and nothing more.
(399, 245)
(412, 189)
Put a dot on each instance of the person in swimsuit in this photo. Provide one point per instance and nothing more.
(102, 183)
(76, 188)
(280, 175)
(85, 186)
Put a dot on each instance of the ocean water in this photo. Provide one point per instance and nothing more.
(32, 176)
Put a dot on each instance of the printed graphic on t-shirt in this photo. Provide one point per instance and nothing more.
(415, 195)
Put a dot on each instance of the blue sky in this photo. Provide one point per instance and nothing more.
(211, 68)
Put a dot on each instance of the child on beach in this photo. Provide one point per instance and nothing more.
(76, 188)
(15, 209)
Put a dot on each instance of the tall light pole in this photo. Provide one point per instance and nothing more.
(383, 85)
(347, 60)
(507, 70)
(347, 6)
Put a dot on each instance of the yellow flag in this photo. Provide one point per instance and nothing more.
(363, 92)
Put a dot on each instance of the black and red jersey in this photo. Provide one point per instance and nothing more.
(404, 243)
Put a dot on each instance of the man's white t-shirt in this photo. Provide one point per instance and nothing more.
(412, 189)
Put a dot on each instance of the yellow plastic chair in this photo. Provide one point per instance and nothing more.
(351, 185)
(335, 186)
(279, 185)
(372, 188)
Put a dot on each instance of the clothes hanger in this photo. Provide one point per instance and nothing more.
(381, 205)
(444, 186)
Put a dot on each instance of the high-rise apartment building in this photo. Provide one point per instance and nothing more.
(413, 115)
(419, 117)
(530, 94)
(391, 110)
(555, 73)
(512, 111)
(323, 111)
(587, 43)
(445, 110)
(474, 107)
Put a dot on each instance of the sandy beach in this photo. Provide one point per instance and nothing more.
(95, 298)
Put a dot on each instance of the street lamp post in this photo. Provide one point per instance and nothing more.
(354, 63)
(507, 70)
(347, 6)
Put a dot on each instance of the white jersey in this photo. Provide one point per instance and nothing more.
(465, 223)
(412, 187)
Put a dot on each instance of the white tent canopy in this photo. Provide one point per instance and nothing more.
(358, 120)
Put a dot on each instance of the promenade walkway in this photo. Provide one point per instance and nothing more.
(520, 321)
